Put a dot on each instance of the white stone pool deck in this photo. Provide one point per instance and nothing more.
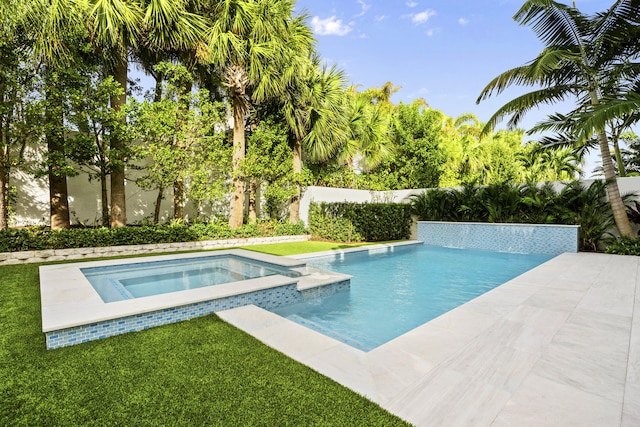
(556, 346)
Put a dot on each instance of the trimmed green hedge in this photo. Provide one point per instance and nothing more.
(357, 222)
(44, 238)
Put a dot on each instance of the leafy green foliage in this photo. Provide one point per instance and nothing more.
(179, 141)
(624, 246)
(197, 372)
(530, 203)
(268, 160)
(354, 222)
(45, 238)
(417, 134)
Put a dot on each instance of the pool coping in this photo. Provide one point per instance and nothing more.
(557, 345)
(68, 300)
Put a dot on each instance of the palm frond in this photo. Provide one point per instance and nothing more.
(554, 23)
(520, 105)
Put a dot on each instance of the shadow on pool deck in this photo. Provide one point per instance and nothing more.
(556, 346)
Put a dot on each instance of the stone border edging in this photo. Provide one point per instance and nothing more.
(51, 255)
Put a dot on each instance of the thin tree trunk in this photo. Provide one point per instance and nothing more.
(118, 200)
(178, 184)
(236, 206)
(157, 94)
(4, 195)
(58, 193)
(616, 150)
(294, 209)
(178, 199)
(156, 209)
(5, 164)
(252, 196)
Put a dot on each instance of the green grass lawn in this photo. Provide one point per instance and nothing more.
(295, 248)
(196, 372)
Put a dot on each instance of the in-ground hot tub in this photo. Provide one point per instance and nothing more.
(73, 311)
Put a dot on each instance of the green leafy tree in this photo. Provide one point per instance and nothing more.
(416, 133)
(585, 58)
(93, 121)
(18, 110)
(174, 138)
(260, 46)
(269, 164)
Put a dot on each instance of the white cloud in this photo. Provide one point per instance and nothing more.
(432, 31)
(463, 21)
(330, 26)
(380, 18)
(364, 6)
(411, 4)
(422, 17)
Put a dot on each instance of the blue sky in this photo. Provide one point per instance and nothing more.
(444, 51)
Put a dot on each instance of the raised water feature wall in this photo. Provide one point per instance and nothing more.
(516, 238)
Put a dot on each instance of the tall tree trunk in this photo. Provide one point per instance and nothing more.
(613, 192)
(104, 198)
(118, 201)
(294, 209)
(236, 206)
(54, 117)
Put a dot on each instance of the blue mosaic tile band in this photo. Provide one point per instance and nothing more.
(266, 298)
(516, 238)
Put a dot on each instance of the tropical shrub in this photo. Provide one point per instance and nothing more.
(624, 246)
(523, 203)
(355, 222)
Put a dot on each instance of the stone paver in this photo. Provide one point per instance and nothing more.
(556, 346)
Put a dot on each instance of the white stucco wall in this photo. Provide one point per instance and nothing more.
(32, 207)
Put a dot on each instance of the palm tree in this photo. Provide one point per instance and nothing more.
(116, 26)
(585, 57)
(369, 142)
(260, 46)
(314, 110)
(57, 29)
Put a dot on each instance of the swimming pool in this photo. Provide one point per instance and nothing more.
(392, 293)
(143, 279)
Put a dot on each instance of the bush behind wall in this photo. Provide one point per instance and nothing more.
(357, 222)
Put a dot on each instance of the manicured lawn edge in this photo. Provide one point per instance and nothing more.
(197, 372)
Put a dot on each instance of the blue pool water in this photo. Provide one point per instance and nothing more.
(126, 281)
(392, 293)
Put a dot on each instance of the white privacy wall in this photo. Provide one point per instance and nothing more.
(32, 207)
